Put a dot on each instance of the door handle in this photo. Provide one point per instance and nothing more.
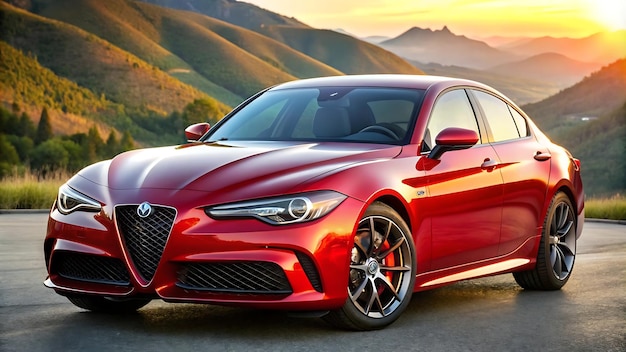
(542, 156)
(489, 164)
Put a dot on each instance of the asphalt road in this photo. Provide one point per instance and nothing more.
(492, 314)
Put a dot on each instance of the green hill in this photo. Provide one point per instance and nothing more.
(190, 44)
(30, 86)
(589, 119)
(270, 51)
(600, 93)
(137, 97)
(345, 53)
(232, 11)
(341, 51)
(601, 147)
(94, 63)
(122, 24)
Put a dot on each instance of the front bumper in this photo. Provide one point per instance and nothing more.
(236, 262)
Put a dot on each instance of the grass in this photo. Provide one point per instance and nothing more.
(28, 191)
(613, 208)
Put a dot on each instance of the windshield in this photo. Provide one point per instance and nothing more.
(350, 114)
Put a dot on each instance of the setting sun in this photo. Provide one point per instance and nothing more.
(611, 13)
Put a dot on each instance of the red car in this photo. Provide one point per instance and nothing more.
(340, 196)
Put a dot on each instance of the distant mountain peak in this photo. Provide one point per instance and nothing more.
(444, 47)
(418, 32)
(416, 29)
(446, 30)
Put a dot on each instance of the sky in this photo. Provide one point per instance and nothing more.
(473, 18)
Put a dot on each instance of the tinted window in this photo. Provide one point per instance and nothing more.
(376, 115)
(393, 113)
(498, 116)
(304, 126)
(520, 122)
(452, 109)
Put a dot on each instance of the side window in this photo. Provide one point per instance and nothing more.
(520, 122)
(452, 109)
(498, 116)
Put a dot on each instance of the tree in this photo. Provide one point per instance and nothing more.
(23, 146)
(127, 143)
(8, 154)
(75, 155)
(49, 156)
(112, 146)
(9, 122)
(26, 127)
(15, 107)
(44, 128)
(95, 145)
(201, 110)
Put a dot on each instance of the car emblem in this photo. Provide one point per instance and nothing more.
(372, 267)
(144, 210)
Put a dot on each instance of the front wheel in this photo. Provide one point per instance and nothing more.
(104, 305)
(382, 272)
(557, 250)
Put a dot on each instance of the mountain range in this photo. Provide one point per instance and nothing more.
(557, 61)
(446, 48)
(124, 65)
(602, 48)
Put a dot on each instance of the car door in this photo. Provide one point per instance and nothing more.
(464, 189)
(525, 168)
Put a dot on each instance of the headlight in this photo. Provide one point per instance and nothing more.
(69, 200)
(282, 210)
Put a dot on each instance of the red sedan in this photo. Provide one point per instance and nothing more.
(340, 196)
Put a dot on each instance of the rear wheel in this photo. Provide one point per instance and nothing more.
(382, 272)
(557, 250)
(105, 305)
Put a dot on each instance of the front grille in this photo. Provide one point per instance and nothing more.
(145, 238)
(90, 268)
(235, 277)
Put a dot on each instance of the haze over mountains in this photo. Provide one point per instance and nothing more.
(135, 66)
(560, 61)
(446, 48)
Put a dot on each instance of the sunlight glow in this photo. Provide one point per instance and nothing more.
(479, 18)
(611, 13)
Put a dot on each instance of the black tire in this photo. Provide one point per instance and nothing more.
(382, 272)
(104, 305)
(557, 249)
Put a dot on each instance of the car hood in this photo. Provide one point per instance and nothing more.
(232, 166)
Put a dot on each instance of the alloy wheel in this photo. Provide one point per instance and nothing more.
(380, 268)
(562, 241)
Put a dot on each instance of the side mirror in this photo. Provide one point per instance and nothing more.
(196, 131)
(453, 138)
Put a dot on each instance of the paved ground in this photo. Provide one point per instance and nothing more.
(491, 314)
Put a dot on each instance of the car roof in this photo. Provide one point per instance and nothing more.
(381, 80)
